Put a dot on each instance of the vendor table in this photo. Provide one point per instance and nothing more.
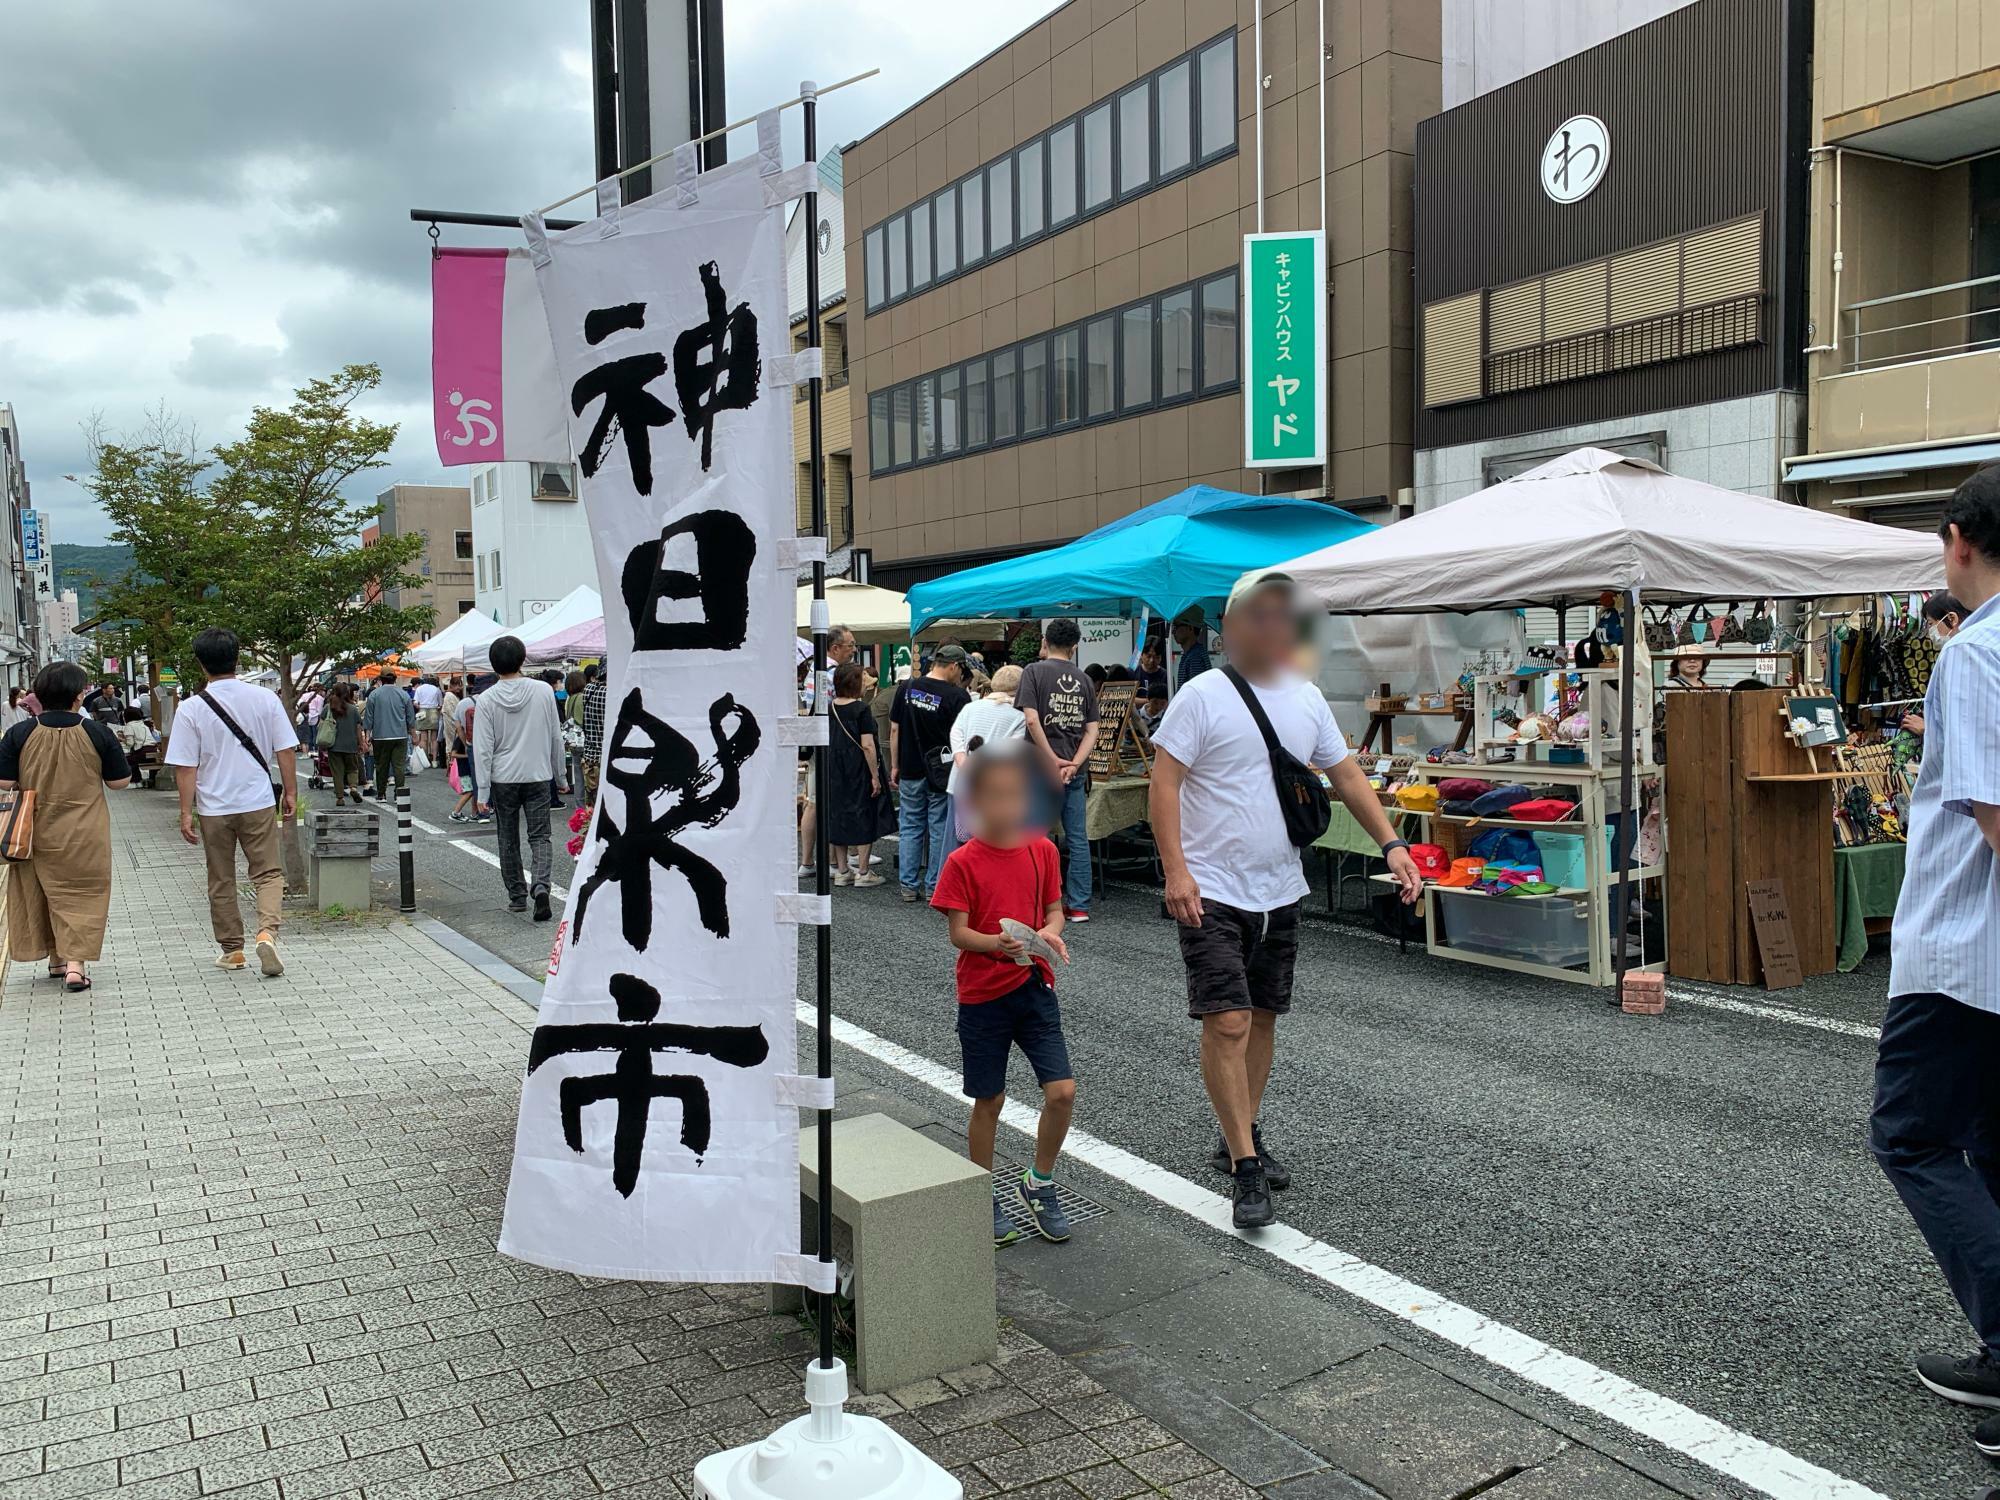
(1113, 805)
(1867, 879)
(1343, 840)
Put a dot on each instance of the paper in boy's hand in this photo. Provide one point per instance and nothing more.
(1033, 944)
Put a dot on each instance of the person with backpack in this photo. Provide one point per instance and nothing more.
(226, 739)
(1234, 798)
(920, 762)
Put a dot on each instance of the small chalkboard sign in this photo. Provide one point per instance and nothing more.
(1777, 948)
(1813, 722)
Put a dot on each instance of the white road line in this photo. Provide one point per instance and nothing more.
(1774, 1013)
(487, 855)
(1752, 1461)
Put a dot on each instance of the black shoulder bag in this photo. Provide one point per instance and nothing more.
(241, 738)
(1302, 798)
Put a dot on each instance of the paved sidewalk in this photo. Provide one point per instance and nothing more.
(246, 1248)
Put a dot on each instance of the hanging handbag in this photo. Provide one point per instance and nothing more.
(1684, 633)
(1731, 631)
(323, 736)
(1659, 632)
(17, 825)
(1302, 797)
(1758, 629)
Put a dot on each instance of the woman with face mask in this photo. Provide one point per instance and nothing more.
(1942, 617)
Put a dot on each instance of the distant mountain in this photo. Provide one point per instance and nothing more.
(86, 568)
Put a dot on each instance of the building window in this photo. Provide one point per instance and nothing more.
(1005, 397)
(479, 570)
(1218, 333)
(1034, 387)
(1099, 390)
(920, 247)
(1173, 121)
(925, 412)
(462, 545)
(1177, 345)
(1216, 80)
(479, 489)
(464, 606)
(551, 481)
(1097, 158)
(977, 429)
(1068, 377)
(972, 219)
(900, 424)
(947, 413)
(1062, 174)
(1135, 140)
(1124, 145)
(946, 216)
(899, 256)
(1000, 206)
(1135, 357)
(493, 568)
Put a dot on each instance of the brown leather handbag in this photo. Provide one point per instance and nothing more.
(17, 825)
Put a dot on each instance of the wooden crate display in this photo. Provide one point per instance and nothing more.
(1122, 748)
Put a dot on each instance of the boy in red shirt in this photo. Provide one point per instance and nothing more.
(1006, 994)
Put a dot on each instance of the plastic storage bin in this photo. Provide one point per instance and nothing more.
(1552, 930)
(1562, 857)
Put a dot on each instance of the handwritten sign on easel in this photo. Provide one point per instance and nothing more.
(1777, 948)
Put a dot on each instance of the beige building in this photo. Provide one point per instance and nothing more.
(1904, 266)
(443, 513)
(1042, 268)
(835, 425)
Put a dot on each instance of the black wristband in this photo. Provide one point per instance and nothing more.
(1395, 844)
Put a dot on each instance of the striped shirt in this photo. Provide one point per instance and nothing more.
(1947, 931)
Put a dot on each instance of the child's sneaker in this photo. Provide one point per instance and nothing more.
(1004, 1232)
(1051, 1223)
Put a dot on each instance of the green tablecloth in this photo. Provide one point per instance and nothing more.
(1344, 834)
(1867, 879)
(1113, 805)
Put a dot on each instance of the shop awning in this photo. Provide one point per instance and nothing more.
(1901, 461)
(1591, 521)
(1186, 549)
(875, 615)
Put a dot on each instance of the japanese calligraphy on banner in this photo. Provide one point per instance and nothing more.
(656, 1137)
(1284, 350)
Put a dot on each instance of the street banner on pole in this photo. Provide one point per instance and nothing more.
(494, 390)
(658, 1129)
(1284, 350)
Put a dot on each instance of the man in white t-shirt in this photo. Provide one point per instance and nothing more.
(1233, 876)
(226, 739)
(428, 699)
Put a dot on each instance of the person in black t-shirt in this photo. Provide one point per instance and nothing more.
(1060, 703)
(920, 723)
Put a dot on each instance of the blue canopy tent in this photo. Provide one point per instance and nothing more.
(1189, 548)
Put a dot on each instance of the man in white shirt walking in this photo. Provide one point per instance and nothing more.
(1232, 869)
(226, 739)
(428, 700)
(1936, 1124)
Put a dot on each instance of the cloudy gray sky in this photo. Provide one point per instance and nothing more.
(207, 202)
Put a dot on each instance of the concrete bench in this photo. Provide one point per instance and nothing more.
(914, 1221)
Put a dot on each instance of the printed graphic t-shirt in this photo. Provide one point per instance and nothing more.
(1064, 697)
(987, 883)
(925, 709)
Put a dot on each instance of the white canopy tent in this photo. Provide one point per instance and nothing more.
(448, 647)
(580, 606)
(1593, 521)
(876, 616)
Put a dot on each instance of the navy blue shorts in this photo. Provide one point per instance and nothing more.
(1026, 1017)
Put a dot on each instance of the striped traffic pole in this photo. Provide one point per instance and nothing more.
(406, 848)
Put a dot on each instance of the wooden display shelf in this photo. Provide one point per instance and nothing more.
(1793, 776)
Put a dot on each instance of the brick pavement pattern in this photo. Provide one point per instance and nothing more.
(246, 1249)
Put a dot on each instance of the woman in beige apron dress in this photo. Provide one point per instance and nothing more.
(58, 900)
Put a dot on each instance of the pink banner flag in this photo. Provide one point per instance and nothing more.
(494, 392)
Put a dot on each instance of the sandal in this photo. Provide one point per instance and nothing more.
(78, 982)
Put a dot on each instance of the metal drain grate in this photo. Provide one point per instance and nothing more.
(1078, 1207)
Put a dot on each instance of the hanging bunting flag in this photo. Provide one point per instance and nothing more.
(494, 393)
(658, 1129)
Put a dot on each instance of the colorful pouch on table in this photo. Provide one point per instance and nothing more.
(1458, 809)
(1463, 788)
(1432, 862)
(1543, 810)
(1419, 798)
(1505, 846)
(1464, 872)
(1500, 800)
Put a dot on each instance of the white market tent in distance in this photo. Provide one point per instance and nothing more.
(876, 616)
(1593, 520)
(448, 647)
(580, 606)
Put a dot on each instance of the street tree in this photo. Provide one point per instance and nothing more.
(301, 590)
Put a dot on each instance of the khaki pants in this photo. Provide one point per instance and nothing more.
(256, 833)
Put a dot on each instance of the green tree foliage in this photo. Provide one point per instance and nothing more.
(302, 591)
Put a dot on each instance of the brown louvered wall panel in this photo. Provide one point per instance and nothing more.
(1453, 350)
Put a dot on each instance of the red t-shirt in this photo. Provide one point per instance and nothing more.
(988, 883)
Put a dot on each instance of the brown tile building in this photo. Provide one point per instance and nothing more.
(1042, 267)
(443, 514)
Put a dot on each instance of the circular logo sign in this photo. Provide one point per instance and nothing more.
(1576, 158)
(825, 235)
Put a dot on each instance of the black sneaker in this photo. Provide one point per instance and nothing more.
(1252, 1197)
(1986, 1438)
(542, 912)
(1276, 1173)
(517, 903)
(1971, 1381)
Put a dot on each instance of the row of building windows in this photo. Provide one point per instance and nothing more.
(1178, 346)
(1155, 130)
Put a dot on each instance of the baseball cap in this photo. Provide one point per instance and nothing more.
(952, 652)
(1255, 583)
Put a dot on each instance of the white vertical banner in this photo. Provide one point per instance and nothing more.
(656, 1138)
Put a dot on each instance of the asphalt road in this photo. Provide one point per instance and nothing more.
(1686, 1200)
